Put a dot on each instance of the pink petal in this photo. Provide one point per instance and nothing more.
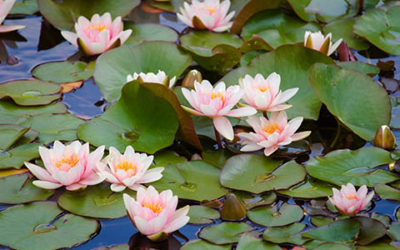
(47, 184)
(39, 172)
(9, 28)
(117, 187)
(245, 111)
(75, 186)
(178, 220)
(224, 127)
(70, 37)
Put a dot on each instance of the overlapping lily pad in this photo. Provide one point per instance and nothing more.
(15, 157)
(288, 234)
(274, 217)
(387, 192)
(337, 231)
(202, 215)
(251, 241)
(150, 32)
(310, 189)
(9, 134)
(224, 233)
(203, 245)
(368, 69)
(344, 29)
(63, 72)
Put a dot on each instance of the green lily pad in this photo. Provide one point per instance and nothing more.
(345, 92)
(194, 180)
(332, 246)
(338, 231)
(320, 220)
(164, 158)
(368, 69)
(257, 173)
(274, 217)
(394, 231)
(288, 234)
(203, 245)
(344, 29)
(216, 158)
(28, 137)
(64, 14)
(9, 134)
(142, 32)
(113, 66)
(299, 6)
(62, 72)
(224, 233)
(357, 167)
(139, 118)
(292, 63)
(332, 10)
(378, 245)
(30, 92)
(15, 158)
(387, 192)
(40, 225)
(255, 200)
(250, 241)
(25, 7)
(371, 230)
(95, 201)
(277, 28)
(310, 189)
(15, 189)
(382, 28)
(202, 215)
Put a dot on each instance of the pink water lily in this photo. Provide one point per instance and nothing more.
(5, 7)
(264, 94)
(67, 165)
(207, 14)
(128, 170)
(217, 103)
(349, 201)
(98, 35)
(154, 214)
(160, 78)
(318, 41)
(272, 133)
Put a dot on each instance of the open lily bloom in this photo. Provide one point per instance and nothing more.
(217, 103)
(264, 94)
(349, 201)
(272, 133)
(318, 41)
(154, 214)
(207, 14)
(98, 35)
(160, 78)
(5, 7)
(128, 170)
(67, 165)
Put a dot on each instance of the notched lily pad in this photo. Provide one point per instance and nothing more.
(202, 215)
(15, 157)
(288, 234)
(274, 217)
(203, 245)
(310, 189)
(387, 192)
(224, 233)
(142, 32)
(255, 200)
(63, 72)
(251, 241)
(343, 28)
(9, 134)
(368, 69)
(337, 231)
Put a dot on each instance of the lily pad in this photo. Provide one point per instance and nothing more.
(274, 217)
(194, 180)
(224, 233)
(299, 6)
(332, 246)
(387, 192)
(62, 72)
(394, 231)
(338, 231)
(30, 92)
(344, 29)
(139, 118)
(255, 200)
(320, 220)
(371, 230)
(345, 92)
(203, 245)
(310, 189)
(142, 32)
(15, 158)
(164, 158)
(41, 225)
(250, 241)
(9, 134)
(332, 10)
(25, 7)
(95, 201)
(18, 188)
(288, 234)
(292, 63)
(202, 215)
(113, 66)
(257, 174)
(357, 167)
(216, 158)
(368, 69)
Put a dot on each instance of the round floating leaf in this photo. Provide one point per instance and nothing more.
(289, 234)
(224, 233)
(310, 189)
(327, 11)
(371, 230)
(25, 7)
(9, 134)
(347, 94)
(203, 245)
(95, 201)
(62, 72)
(30, 92)
(63, 14)
(257, 173)
(142, 32)
(394, 231)
(378, 245)
(332, 246)
(357, 167)
(338, 231)
(18, 188)
(194, 180)
(387, 192)
(164, 158)
(344, 29)
(277, 28)
(299, 6)
(139, 118)
(15, 158)
(292, 63)
(365, 68)
(113, 66)
(381, 28)
(320, 220)
(41, 225)
(250, 241)
(255, 200)
(216, 158)
(272, 217)
(202, 215)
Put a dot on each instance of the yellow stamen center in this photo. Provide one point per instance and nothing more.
(352, 197)
(263, 89)
(210, 10)
(155, 207)
(218, 95)
(98, 27)
(126, 165)
(70, 160)
(271, 128)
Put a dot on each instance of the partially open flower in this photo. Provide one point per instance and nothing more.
(349, 201)
(5, 7)
(67, 165)
(154, 214)
(160, 78)
(98, 35)
(318, 41)
(128, 170)
(207, 14)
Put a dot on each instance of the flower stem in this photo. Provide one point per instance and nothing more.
(265, 114)
(218, 137)
(337, 136)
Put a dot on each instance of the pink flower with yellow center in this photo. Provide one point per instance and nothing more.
(217, 103)
(5, 7)
(154, 214)
(67, 165)
(272, 133)
(128, 170)
(264, 94)
(318, 41)
(207, 14)
(97, 35)
(349, 201)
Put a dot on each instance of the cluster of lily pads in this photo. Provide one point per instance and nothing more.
(272, 67)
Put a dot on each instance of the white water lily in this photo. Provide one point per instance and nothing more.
(318, 41)
(160, 78)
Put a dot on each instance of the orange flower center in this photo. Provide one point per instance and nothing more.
(127, 166)
(210, 10)
(218, 95)
(98, 27)
(271, 128)
(70, 160)
(352, 197)
(263, 89)
(155, 207)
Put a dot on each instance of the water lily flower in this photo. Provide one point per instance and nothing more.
(207, 14)
(5, 7)
(349, 201)
(217, 103)
(128, 170)
(154, 214)
(318, 41)
(272, 133)
(264, 94)
(67, 165)
(97, 35)
(160, 78)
